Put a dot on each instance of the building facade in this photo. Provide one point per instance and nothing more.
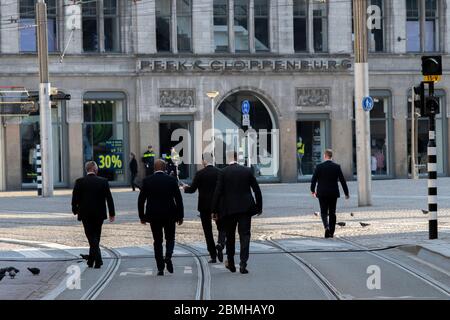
(138, 73)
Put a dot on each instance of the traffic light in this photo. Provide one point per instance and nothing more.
(419, 99)
(432, 106)
(432, 65)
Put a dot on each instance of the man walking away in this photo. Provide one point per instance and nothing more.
(149, 161)
(326, 177)
(205, 181)
(89, 199)
(161, 197)
(133, 170)
(234, 190)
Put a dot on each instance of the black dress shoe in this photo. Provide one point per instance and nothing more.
(90, 264)
(327, 233)
(230, 266)
(212, 261)
(169, 265)
(219, 249)
(243, 270)
(160, 273)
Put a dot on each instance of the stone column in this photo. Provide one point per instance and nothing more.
(203, 27)
(398, 26)
(400, 135)
(145, 26)
(340, 26)
(283, 21)
(9, 33)
(13, 153)
(74, 115)
(76, 41)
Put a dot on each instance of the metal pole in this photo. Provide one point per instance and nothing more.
(413, 137)
(432, 174)
(2, 156)
(213, 136)
(44, 100)
(362, 118)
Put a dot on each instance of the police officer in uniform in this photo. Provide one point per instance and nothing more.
(300, 154)
(149, 161)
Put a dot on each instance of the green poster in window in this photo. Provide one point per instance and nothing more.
(112, 159)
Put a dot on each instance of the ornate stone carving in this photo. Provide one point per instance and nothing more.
(177, 98)
(313, 97)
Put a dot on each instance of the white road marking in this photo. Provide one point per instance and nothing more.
(33, 253)
(430, 265)
(187, 270)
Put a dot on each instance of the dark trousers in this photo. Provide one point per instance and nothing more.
(163, 229)
(149, 169)
(133, 178)
(209, 237)
(243, 223)
(328, 212)
(93, 231)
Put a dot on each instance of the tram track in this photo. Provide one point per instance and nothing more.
(203, 291)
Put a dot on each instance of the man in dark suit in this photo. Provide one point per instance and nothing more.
(326, 177)
(161, 197)
(89, 199)
(234, 190)
(205, 181)
(133, 170)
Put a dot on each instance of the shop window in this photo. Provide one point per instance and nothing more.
(28, 25)
(104, 134)
(30, 138)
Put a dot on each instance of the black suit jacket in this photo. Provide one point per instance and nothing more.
(234, 192)
(205, 181)
(89, 198)
(161, 197)
(326, 177)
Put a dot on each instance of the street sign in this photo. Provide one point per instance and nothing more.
(435, 78)
(246, 120)
(367, 104)
(245, 107)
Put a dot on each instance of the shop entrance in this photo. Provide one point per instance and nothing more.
(312, 141)
(257, 144)
(177, 132)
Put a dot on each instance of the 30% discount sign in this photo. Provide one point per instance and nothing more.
(110, 161)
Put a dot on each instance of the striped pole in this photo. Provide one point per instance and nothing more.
(432, 173)
(39, 169)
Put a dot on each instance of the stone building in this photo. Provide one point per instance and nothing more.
(138, 70)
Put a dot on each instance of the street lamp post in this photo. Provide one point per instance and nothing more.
(212, 95)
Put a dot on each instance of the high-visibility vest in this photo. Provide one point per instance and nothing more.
(301, 148)
(149, 154)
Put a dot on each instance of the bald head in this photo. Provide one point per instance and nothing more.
(160, 165)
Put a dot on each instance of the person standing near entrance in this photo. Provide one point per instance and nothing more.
(205, 182)
(326, 177)
(160, 204)
(300, 154)
(133, 170)
(149, 161)
(89, 199)
(234, 193)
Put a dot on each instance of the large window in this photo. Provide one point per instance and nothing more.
(310, 26)
(104, 133)
(30, 138)
(250, 26)
(28, 25)
(101, 31)
(261, 25)
(221, 25)
(163, 24)
(241, 34)
(184, 25)
(376, 33)
(422, 25)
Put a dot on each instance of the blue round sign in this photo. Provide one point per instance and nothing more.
(367, 103)
(245, 107)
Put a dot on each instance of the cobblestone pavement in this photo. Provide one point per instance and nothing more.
(289, 211)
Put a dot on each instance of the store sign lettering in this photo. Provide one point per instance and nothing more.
(218, 65)
(112, 159)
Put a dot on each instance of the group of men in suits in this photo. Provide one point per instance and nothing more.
(230, 197)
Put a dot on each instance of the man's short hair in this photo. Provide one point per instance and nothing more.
(149, 147)
(329, 153)
(91, 166)
(207, 157)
